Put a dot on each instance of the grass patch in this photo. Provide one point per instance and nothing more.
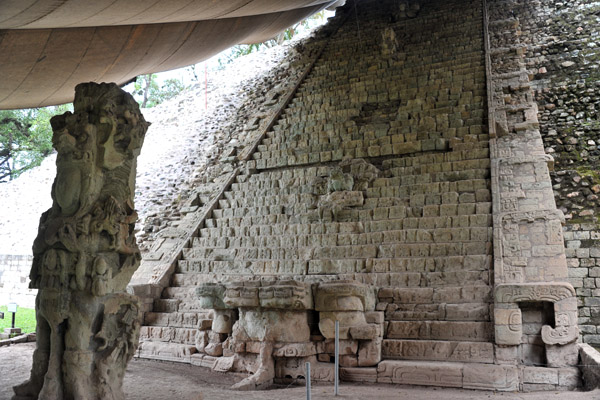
(24, 319)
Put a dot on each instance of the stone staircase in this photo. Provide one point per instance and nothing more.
(401, 127)
(376, 171)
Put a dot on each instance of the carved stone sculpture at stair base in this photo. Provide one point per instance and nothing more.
(269, 313)
(346, 302)
(272, 336)
(212, 333)
(350, 303)
(559, 340)
(85, 251)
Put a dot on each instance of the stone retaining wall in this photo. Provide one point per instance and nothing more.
(14, 280)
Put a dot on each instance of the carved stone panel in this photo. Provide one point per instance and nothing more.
(562, 295)
(531, 248)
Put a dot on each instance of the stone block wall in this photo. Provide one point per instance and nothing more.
(562, 57)
(14, 280)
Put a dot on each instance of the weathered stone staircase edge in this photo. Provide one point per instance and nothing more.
(250, 149)
(529, 253)
(156, 267)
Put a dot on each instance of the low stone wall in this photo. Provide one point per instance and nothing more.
(590, 366)
(14, 280)
(583, 255)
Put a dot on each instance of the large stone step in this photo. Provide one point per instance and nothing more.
(449, 374)
(194, 272)
(387, 187)
(324, 74)
(344, 269)
(282, 158)
(176, 319)
(457, 341)
(333, 252)
(165, 351)
(190, 272)
(462, 165)
(395, 229)
(213, 238)
(474, 375)
(284, 224)
(303, 186)
(168, 334)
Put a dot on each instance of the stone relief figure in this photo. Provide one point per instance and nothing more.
(85, 251)
(388, 43)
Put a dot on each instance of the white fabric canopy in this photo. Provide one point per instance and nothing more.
(49, 46)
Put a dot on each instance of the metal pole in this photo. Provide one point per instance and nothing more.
(307, 381)
(13, 320)
(337, 357)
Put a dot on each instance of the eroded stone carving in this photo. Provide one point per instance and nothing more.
(213, 332)
(388, 42)
(85, 251)
(272, 336)
(273, 322)
(531, 247)
(407, 9)
(349, 302)
(552, 292)
(561, 294)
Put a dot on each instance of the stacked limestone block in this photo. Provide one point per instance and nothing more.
(378, 173)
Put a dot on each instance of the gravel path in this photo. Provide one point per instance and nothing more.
(150, 380)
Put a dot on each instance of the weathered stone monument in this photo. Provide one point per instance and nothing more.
(85, 251)
(403, 190)
(426, 176)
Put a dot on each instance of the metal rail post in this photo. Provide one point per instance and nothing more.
(337, 358)
(307, 381)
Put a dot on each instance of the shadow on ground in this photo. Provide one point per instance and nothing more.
(149, 380)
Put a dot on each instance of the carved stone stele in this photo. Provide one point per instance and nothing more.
(85, 251)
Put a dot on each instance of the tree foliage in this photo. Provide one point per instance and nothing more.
(25, 139)
(149, 93)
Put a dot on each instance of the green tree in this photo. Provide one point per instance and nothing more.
(147, 88)
(171, 88)
(25, 139)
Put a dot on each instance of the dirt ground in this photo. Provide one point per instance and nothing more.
(149, 380)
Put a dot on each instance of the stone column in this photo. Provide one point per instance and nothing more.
(85, 251)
